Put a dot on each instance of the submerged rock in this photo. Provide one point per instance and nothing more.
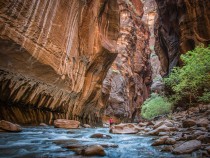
(124, 129)
(91, 150)
(65, 142)
(187, 147)
(109, 145)
(100, 135)
(8, 126)
(63, 123)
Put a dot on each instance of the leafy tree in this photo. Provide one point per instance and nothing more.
(191, 83)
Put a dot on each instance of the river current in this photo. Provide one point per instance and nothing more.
(40, 142)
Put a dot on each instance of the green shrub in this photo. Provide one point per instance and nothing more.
(154, 106)
(191, 83)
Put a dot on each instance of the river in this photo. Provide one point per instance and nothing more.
(38, 141)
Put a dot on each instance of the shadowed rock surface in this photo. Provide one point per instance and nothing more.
(181, 25)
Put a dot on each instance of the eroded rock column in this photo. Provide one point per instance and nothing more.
(128, 80)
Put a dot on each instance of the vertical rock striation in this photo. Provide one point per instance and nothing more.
(149, 17)
(181, 25)
(54, 56)
(128, 80)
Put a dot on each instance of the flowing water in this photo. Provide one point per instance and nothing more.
(39, 142)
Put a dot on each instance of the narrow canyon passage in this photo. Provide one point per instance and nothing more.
(77, 64)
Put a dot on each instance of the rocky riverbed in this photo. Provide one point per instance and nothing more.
(186, 132)
(183, 134)
(47, 141)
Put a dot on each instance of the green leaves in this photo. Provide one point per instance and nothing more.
(154, 106)
(192, 81)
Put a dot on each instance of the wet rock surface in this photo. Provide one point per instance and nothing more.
(100, 135)
(186, 132)
(63, 123)
(8, 126)
(124, 129)
(48, 141)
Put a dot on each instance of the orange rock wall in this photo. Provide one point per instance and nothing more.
(54, 56)
(128, 80)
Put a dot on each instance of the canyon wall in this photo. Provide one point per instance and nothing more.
(181, 25)
(54, 56)
(128, 80)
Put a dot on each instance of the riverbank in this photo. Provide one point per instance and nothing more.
(185, 132)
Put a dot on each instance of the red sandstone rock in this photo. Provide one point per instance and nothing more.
(8, 126)
(54, 57)
(124, 129)
(128, 79)
(62, 123)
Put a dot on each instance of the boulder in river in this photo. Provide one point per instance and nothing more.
(87, 150)
(100, 135)
(94, 150)
(11, 127)
(124, 129)
(63, 123)
(187, 147)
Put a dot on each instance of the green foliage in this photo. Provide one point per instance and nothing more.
(191, 83)
(205, 98)
(154, 106)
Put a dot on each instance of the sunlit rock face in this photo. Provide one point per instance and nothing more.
(54, 56)
(128, 80)
(181, 25)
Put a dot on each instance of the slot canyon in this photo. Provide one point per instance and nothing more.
(91, 60)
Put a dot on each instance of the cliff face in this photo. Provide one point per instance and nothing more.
(128, 80)
(54, 56)
(181, 25)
